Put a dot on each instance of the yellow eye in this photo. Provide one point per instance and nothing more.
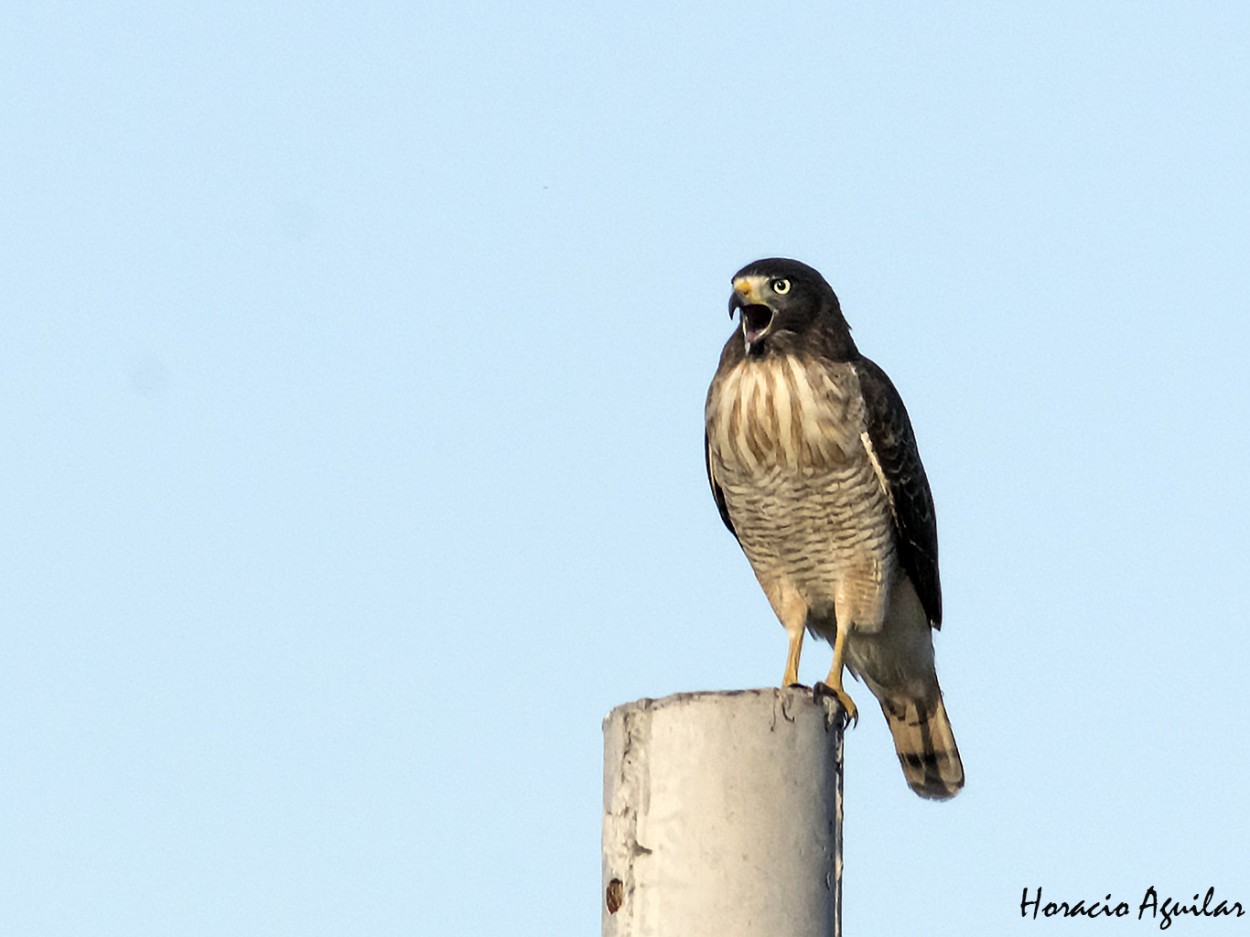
(780, 287)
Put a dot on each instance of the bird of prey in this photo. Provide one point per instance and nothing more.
(814, 467)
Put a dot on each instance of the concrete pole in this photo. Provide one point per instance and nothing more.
(722, 816)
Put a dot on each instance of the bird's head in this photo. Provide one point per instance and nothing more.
(781, 300)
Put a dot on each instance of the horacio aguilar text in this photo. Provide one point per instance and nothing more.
(1160, 909)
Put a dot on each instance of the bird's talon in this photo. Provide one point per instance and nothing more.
(840, 696)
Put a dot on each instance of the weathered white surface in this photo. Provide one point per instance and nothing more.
(722, 816)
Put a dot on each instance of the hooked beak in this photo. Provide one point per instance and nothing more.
(757, 318)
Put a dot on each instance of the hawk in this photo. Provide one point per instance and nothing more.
(815, 470)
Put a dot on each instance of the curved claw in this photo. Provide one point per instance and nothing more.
(843, 700)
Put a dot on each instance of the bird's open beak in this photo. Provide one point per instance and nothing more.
(757, 318)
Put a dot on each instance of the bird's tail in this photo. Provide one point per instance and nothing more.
(925, 745)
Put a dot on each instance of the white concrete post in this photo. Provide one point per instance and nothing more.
(722, 816)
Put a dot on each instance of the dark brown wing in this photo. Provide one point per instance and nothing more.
(894, 445)
(717, 493)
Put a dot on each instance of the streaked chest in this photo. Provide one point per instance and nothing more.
(786, 413)
(789, 448)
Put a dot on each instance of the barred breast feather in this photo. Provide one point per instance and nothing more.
(786, 445)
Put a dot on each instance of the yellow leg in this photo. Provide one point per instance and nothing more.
(791, 677)
(791, 610)
(833, 683)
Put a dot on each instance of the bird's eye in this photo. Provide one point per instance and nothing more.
(780, 287)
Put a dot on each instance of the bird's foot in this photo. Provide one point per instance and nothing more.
(843, 700)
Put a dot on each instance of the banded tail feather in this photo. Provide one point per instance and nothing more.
(925, 745)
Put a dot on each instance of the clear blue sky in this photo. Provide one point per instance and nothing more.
(352, 366)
